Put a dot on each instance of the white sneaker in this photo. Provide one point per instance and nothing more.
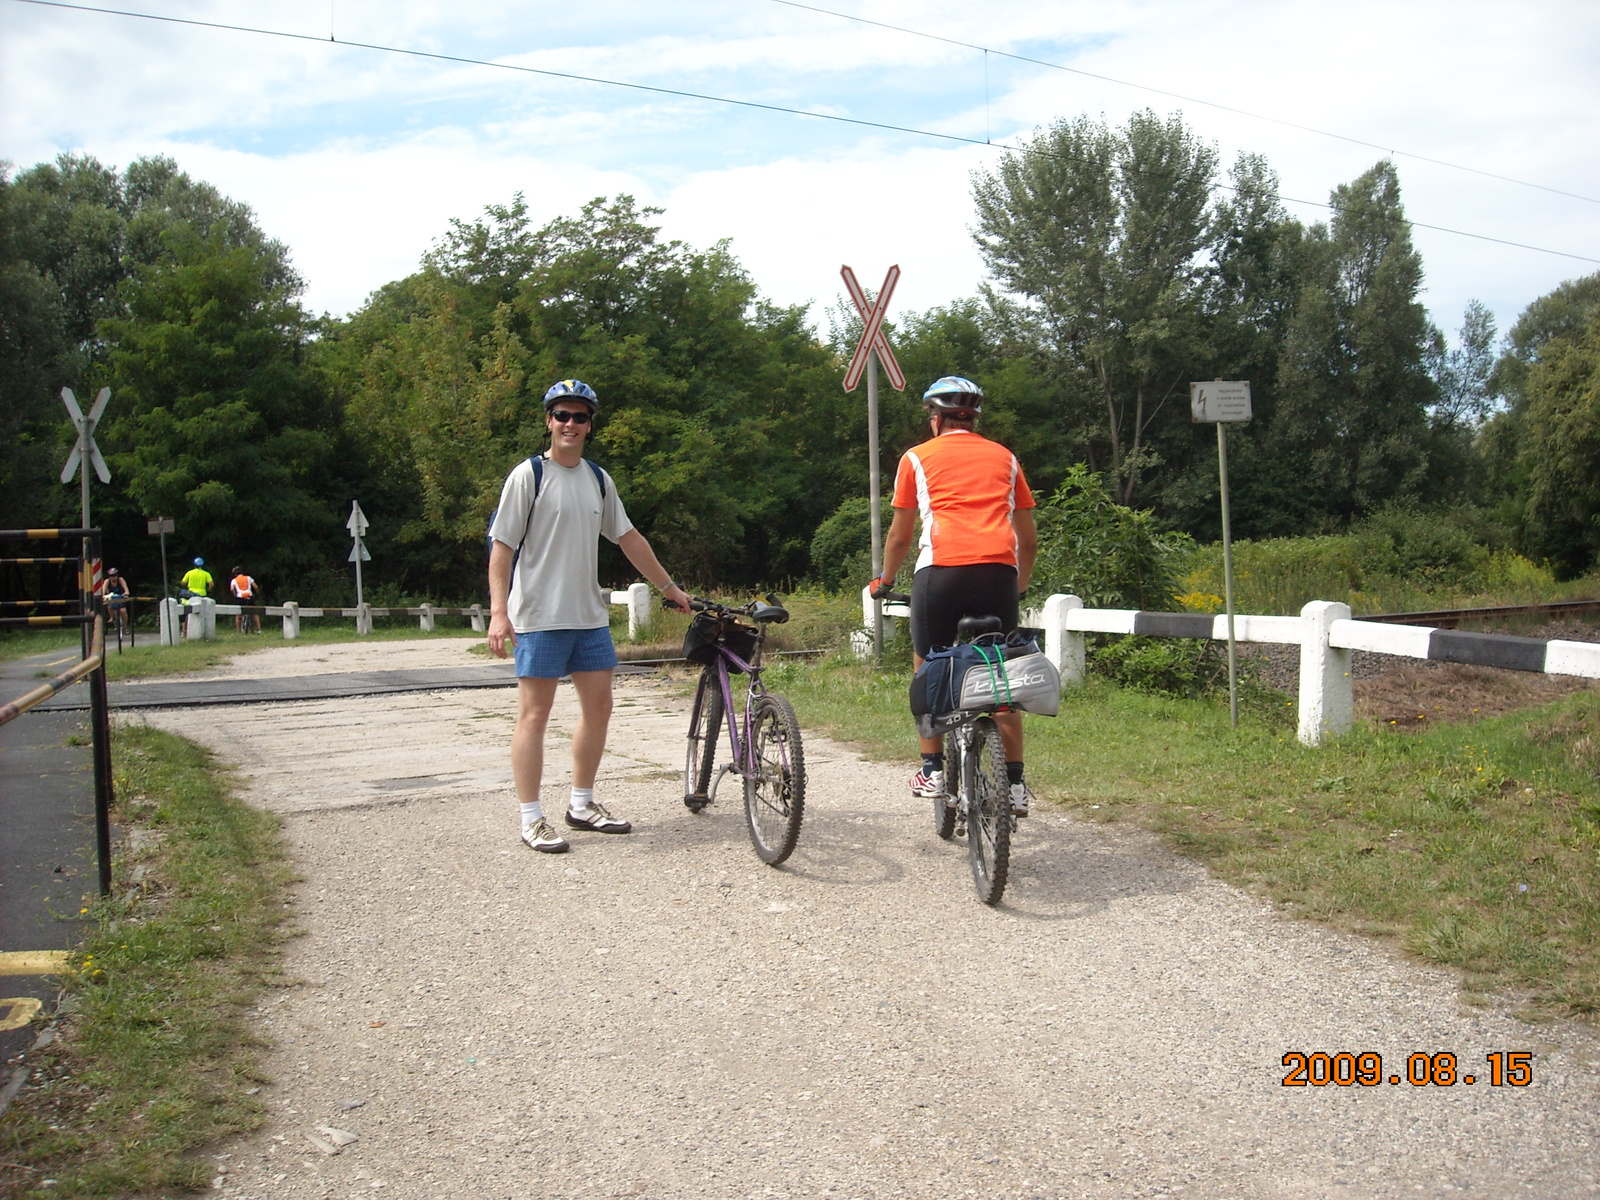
(926, 785)
(596, 817)
(1020, 795)
(542, 836)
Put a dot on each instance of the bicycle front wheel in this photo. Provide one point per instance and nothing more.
(705, 726)
(988, 799)
(944, 813)
(775, 781)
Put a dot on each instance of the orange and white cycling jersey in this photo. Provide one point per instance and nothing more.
(965, 487)
(242, 586)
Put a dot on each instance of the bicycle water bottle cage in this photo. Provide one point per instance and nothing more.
(970, 627)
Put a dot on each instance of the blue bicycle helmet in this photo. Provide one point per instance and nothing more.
(571, 389)
(199, 562)
(953, 392)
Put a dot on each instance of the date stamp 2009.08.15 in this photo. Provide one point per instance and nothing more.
(1506, 1068)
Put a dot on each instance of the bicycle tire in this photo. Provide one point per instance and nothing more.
(775, 785)
(944, 815)
(988, 796)
(705, 726)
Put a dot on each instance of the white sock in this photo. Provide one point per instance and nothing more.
(531, 813)
(582, 800)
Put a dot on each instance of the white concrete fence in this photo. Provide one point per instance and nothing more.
(1324, 631)
(198, 617)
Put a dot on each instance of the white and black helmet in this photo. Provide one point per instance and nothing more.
(952, 393)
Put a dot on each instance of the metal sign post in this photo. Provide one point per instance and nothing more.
(357, 525)
(1222, 404)
(162, 526)
(870, 351)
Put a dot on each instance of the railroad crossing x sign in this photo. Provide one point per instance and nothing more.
(872, 337)
(85, 447)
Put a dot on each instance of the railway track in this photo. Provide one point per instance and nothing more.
(1451, 618)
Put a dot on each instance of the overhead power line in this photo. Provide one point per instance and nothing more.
(462, 60)
(1143, 87)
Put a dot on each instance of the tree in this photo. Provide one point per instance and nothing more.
(1561, 449)
(1096, 235)
(217, 420)
(720, 416)
(1353, 386)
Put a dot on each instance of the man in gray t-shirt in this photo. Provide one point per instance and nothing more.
(553, 609)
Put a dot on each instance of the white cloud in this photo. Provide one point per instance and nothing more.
(357, 160)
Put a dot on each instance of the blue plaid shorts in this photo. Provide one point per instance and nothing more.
(552, 653)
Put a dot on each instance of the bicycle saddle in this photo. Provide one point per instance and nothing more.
(970, 627)
(769, 614)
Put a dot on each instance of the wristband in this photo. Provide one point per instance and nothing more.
(668, 584)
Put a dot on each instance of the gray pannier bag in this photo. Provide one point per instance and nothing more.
(1016, 675)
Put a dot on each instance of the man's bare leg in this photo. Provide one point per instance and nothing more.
(534, 698)
(594, 718)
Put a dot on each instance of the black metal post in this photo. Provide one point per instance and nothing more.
(100, 719)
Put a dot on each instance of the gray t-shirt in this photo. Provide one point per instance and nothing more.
(556, 581)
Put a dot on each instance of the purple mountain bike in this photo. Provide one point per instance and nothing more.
(766, 751)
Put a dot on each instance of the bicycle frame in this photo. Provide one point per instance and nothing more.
(743, 752)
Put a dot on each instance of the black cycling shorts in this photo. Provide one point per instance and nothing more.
(941, 596)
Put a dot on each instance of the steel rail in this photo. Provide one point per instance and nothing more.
(1449, 618)
(97, 651)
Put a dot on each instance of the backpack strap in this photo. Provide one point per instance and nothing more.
(537, 463)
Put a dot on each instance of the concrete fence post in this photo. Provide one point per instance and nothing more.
(170, 615)
(639, 610)
(363, 618)
(1063, 646)
(478, 625)
(202, 622)
(1326, 703)
(291, 620)
(427, 618)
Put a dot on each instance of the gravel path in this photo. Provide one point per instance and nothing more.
(662, 1016)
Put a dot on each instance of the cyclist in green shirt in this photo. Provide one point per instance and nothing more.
(196, 581)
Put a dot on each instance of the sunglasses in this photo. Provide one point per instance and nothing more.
(563, 415)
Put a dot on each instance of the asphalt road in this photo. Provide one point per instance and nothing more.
(47, 863)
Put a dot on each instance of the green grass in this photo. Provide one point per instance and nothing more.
(155, 1061)
(19, 643)
(1474, 846)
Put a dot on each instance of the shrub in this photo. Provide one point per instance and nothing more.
(1110, 555)
(841, 550)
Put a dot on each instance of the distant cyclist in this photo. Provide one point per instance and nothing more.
(245, 591)
(196, 581)
(116, 592)
(978, 546)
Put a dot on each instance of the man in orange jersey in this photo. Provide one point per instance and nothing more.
(978, 546)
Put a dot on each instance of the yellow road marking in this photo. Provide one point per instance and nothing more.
(32, 962)
(59, 661)
(17, 1011)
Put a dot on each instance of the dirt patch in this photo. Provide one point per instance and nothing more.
(1419, 694)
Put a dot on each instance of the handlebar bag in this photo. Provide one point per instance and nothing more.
(707, 632)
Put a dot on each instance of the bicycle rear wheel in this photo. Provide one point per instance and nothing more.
(944, 814)
(988, 796)
(705, 726)
(775, 783)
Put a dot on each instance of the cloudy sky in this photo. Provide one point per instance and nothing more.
(357, 158)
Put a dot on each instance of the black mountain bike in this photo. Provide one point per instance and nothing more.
(977, 800)
(766, 751)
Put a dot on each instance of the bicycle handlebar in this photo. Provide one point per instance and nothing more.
(883, 593)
